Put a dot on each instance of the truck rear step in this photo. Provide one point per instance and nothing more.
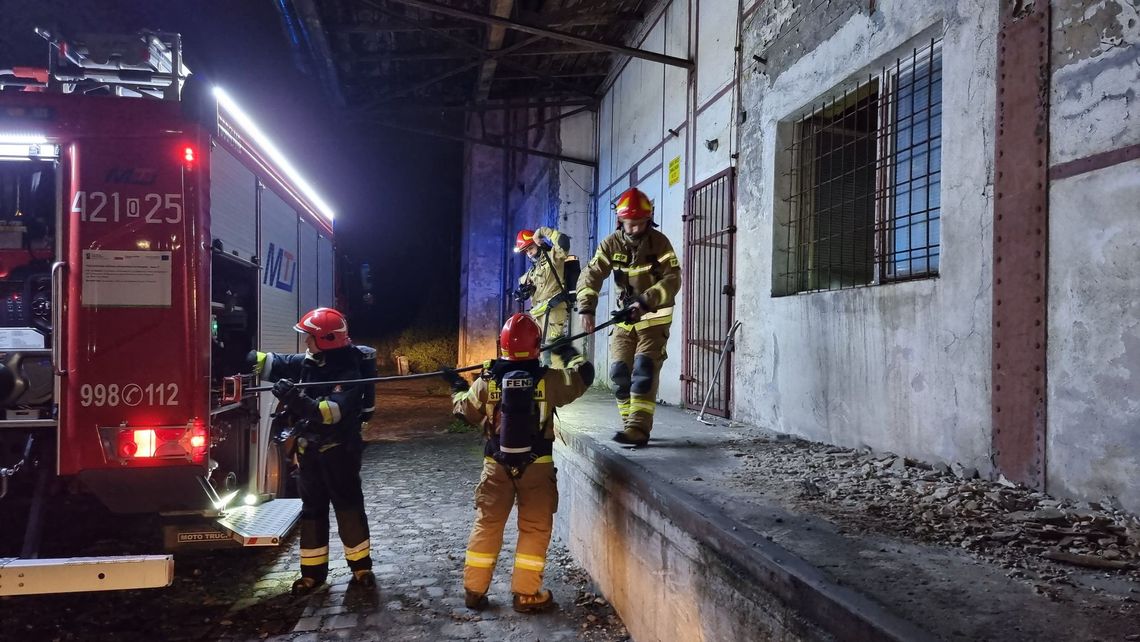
(68, 575)
(262, 525)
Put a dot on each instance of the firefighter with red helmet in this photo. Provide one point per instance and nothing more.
(514, 402)
(329, 446)
(545, 282)
(647, 277)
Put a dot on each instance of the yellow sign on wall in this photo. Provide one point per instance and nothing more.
(674, 171)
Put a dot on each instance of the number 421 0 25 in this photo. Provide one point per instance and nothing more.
(111, 207)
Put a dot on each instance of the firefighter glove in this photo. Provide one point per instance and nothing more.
(254, 362)
(299, 404)
(285, 390)
(565, 351)
(524, 292)
(457, 383)
(622, 315)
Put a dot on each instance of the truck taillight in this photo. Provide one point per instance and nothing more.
(199, 441)
(189, 442)
(138, 443)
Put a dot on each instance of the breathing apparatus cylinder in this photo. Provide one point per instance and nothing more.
(519, 418)
(571, 270)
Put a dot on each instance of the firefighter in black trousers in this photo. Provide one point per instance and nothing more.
(328, 441)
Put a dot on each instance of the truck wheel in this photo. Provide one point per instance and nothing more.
(279, 472)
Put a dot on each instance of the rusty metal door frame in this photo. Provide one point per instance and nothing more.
(709, 294)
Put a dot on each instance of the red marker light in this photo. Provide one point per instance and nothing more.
(188, 154)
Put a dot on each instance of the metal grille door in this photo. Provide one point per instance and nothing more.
(709, 288)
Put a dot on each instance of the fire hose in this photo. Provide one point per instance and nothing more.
(233, 389)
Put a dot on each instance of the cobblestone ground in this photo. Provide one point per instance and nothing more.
(419, 487)
(419, 505)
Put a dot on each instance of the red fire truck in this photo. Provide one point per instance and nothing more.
(151, 234)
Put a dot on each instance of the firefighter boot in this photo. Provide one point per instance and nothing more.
(305, 586)
(363, 578)
(631, 437)
(533, 603)
(475, 601)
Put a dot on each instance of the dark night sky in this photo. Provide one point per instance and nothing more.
(397, 195)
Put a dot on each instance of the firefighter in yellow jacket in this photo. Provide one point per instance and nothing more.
(647, 277)
(545, 282)
(514, 402)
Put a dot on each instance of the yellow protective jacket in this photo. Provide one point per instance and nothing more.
(543, 272)
(556, 387)
(645, 271)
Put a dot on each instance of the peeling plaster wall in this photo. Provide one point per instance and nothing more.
(903, 367)
(1093, 446)
(1093, 434)
(1096, 74)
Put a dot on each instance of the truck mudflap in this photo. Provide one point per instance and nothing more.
(262, 525)
(69, 575)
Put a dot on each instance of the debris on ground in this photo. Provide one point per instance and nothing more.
(598, 622)
(1035, 536)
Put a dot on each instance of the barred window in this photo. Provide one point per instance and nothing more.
(861, 180)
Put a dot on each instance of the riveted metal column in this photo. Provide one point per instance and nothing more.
(1021, 242)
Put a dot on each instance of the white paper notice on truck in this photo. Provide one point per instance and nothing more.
(113, 278)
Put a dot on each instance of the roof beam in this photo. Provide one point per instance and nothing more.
(489, 56)
(546, 121)
(313, 33)
(419, 106)
(495, 35)
(455, 54)
(479, 51)
(547, 33)
(575, 17)
(579, 74)
(400, 28)
(489, 143)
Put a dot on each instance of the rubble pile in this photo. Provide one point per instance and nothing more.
(598, 621)
(1012, 525)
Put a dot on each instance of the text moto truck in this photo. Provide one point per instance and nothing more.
(148, 240)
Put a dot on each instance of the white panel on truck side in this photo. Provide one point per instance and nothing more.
(308, 270)
(326, 266)
(233, 204)
(279, 274)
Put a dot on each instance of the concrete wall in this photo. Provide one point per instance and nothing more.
(1093, 433)
(646, 100)
(483, 261)
(901, 367)
(666, 583)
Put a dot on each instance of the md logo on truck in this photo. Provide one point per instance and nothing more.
(280, 268)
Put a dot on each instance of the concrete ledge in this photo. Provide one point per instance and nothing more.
(678, 568)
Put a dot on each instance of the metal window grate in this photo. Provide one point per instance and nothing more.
(862, 201)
